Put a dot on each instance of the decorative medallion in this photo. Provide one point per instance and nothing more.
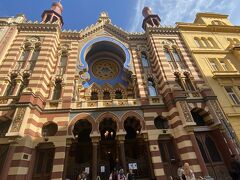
(105, 69)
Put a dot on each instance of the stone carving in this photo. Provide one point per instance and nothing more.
(186, 111)
(17, 122)
(217, 110)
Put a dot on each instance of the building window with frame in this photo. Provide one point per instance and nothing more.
(198, 42)
(232, 94)
(34, 58)
(151, 88)
(144, 59)
(23, 58)
(224, 65)
(213, 65)
(169, 58)
(178, 59)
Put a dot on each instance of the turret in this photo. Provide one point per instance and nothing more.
(54, 14)
(150, 19)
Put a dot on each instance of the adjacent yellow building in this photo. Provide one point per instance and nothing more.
(215, 45)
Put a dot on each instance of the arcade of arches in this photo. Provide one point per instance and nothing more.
(114, 147)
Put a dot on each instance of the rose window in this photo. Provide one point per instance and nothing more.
(105, 69)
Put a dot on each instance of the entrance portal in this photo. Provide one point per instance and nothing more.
(80, 153)
(108, 152)
(212, 156)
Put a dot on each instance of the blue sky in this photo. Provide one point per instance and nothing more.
(125, 13)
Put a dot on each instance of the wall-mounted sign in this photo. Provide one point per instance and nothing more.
(102, 169)
(132, 166)
(87, 170)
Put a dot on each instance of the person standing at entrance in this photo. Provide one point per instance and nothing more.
(188, 173)
(113, 175)
(121, 175)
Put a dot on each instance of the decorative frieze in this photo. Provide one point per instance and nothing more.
(17, 122)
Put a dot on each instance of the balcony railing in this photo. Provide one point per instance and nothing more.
(106, 103)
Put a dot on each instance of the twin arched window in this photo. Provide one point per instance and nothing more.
(174, 58)
(205, 42)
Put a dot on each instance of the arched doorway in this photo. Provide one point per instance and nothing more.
(209, 145)
(108, 155)
(80, 153)
(167, 148)
(135, 148)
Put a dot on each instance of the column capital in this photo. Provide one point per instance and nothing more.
(95, 139)
(121, 136)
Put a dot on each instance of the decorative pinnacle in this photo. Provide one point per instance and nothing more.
(104, 17)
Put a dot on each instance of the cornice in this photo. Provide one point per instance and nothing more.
(210, 51)
(162, 30)
(38, 27)
(208, 28)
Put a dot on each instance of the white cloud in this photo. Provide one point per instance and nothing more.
(171, 11)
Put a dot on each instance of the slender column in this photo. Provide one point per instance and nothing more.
(149, 156)
(95, 142)
(17, 87)
(121, 139)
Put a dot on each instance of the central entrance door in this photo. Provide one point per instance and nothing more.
(108, 156)
(212, 156)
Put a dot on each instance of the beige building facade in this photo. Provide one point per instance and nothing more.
(214, 43)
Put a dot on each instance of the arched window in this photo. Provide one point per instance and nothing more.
(198, 119)
(106, 95)
(167, 55)
(118, 94)
(212, 43)
(151, 88)
(34, 58)
(177, 58)
(57, 90)
(94, 96)
(11, 87)
(161, 123)
(205, 42)
(23, 58)
(169, 58)
(144, 59)
(198, 42)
